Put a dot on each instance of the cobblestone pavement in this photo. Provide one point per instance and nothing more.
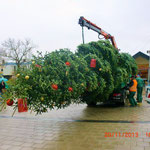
(77, 127)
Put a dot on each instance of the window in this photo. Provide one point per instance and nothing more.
(3, 61)
(14, 68)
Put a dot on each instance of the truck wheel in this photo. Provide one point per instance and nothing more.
(123, 98)
(91, 104)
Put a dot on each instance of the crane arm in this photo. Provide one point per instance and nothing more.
(84, 22)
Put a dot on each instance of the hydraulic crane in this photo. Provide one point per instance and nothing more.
(86, 23)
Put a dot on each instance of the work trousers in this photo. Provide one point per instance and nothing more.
(131, 99)
(139, 94)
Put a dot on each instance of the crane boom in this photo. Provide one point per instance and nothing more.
(86, 23)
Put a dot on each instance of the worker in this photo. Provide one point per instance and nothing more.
(2, 86)
(132, 91)
(140, 86)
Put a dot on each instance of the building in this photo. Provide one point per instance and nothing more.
(8, 69)
(142, 61)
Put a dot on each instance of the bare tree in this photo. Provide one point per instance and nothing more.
(18, 51)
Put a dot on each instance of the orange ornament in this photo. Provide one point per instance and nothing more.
(55, 86)
(10, 102)
(70, 89)
(68, 63)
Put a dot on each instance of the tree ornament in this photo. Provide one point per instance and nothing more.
(26, 77)
(82, 84)
(38, 66)
(10, 102)
(86, 69)
(17, 75)
(70, 89)
(33, 62)
(42, 98)
(68, 63)
(93, 63)
(22, 105)
(100, 69)
(55, 86)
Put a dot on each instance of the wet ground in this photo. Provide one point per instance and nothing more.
(77, 127)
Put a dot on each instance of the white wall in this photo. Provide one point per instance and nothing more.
(8, 70)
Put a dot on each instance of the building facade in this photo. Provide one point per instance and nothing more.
(8, 69)
(142, 61)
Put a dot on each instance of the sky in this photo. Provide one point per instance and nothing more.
(53, 24)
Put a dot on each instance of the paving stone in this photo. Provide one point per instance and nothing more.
(137, 148)
(55, 130)
(27, 148)
(27, 144)
(147, 148)
(17, 143)
(15, 148)
(5, 146)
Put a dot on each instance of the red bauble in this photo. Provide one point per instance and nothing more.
(70, 89)
(93, 63)
(38, 66)
(10, 102)
(68, 63)
(55, 86)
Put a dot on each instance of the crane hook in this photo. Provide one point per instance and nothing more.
(100, 37)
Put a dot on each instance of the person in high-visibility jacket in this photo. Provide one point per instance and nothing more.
(140, 86)
(132, 91)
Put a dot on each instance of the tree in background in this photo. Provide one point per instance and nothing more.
(2, 53)
(17, 50)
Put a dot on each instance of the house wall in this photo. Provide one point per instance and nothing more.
(8, 70)
(141, 61)
(143, 65)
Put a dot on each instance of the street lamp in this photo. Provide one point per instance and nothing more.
(149, 67)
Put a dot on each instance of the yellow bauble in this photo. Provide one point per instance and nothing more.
(33, 62)
(26, 77)
(82, 84)
(86, 69)
(42, 98)
(18, 75)
(100, 69)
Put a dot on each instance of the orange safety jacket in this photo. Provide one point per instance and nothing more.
(133, 88)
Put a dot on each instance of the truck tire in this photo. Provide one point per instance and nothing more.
(123, 98)
(91, 104)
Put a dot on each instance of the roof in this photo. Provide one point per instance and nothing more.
(14, 64)
(140, 54)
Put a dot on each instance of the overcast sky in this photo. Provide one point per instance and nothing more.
(53, 24)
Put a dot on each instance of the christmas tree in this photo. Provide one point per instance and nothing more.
(59, 78)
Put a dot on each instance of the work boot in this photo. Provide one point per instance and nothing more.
(139, 104)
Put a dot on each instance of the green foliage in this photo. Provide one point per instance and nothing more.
(88, 84)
